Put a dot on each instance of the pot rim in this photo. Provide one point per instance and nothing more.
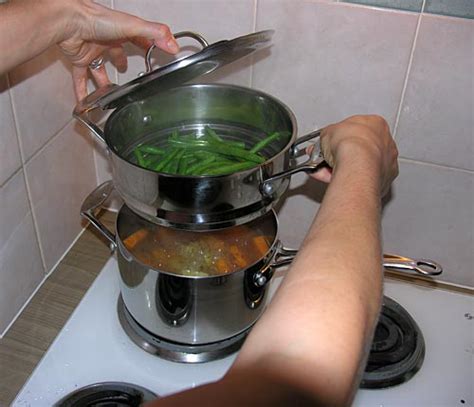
(266, 259)
(218, 86)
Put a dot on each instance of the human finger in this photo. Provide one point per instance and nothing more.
(141, 42)
(79, 78)
(118, 58)
(100, 76)
(323, 174)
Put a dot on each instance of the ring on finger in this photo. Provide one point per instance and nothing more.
(96, 63)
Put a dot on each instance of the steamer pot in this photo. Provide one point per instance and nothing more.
(153, 106)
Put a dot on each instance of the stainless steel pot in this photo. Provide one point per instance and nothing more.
(154, 104)
(203, 310)
(183, 309)
(204, 202)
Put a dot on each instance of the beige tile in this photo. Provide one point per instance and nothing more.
(431, 215)
(60, 177)
(9, 151)
(214, 19)
(437, 117)
(333, 60)
(21, 269)
(43, 99)
(297, 209)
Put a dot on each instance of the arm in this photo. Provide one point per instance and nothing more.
(312, 341)
(82, 29)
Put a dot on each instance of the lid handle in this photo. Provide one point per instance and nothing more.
(182, 34)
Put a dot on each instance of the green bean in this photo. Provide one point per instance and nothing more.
(172, 166)
(151, 149)
(224, 149)
(140, 159)
(212, 134)
(203, 154)
(263, 143)
(219, 163)
(231, 151)
(213, 137)
(170, 157)
(180, 143)
(231, 168)
(184, 163)
(194, 169)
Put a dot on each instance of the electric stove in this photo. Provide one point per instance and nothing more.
(422, 354)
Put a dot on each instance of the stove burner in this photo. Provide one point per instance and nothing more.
(397, 351)
(107, 394)
(173, 351)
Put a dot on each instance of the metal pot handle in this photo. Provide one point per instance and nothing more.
(190, 34)
(422, 266)
(315, 161)
(91, 102)
(395, 262)
(282, 257)
(94, 201)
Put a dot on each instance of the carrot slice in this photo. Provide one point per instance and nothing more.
(222, 265)
(131, 241)
(238, 256)
(261, 244)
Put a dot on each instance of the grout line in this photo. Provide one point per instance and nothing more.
(48, 274)
(407, 75)
(12, 175)
(45, 145)
(431, 164)
(27, 184)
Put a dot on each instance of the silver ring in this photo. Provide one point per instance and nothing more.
(96, 63)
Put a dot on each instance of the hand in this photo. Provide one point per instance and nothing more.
(359, 137)
(92, 29)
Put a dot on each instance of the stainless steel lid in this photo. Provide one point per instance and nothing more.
(178, 72)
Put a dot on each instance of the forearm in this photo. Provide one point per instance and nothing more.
(334, 286)
(32, 26)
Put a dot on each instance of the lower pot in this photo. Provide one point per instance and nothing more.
(202, 309)
(192, 310)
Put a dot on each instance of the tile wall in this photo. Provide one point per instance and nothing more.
(330, 59)
(46, 170)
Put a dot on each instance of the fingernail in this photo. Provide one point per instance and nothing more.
(173, 46)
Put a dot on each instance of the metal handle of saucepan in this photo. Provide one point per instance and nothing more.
(182, 34)
(315, 161)
(285, 256)
(282, 257)
(421, 266)
(93, 202)
(84, 107)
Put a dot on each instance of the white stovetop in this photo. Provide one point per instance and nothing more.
(92, 347)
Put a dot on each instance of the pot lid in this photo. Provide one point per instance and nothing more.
(178, 72)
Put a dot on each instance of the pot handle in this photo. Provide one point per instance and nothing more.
(282, 257)
(191, 34)
(315, 161)
(85, 106)
(94, 201)
(422, 266)
(395, 262)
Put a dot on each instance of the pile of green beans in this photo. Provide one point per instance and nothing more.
(209, 154)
